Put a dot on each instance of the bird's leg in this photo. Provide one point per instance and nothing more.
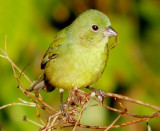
(99, 93)
(63, 110)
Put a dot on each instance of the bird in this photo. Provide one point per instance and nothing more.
(78, 55)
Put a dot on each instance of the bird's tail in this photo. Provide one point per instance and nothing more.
(41, 84)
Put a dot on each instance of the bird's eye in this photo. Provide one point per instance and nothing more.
(94, 27)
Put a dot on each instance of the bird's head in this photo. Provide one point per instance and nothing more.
(92, 27)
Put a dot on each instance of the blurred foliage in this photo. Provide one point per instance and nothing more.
(133, 66)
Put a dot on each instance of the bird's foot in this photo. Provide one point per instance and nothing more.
(100, 94)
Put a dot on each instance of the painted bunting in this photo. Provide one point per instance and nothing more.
(78, 55)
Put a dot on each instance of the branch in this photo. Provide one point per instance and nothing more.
(132, 100)
(76, 103)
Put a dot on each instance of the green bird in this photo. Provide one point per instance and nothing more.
(78, 55)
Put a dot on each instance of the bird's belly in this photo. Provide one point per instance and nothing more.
(74, 71)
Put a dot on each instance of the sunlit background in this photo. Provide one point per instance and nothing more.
(133, 68)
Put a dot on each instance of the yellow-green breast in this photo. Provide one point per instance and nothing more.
(79, 67)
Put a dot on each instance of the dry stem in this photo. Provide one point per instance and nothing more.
(77, 102)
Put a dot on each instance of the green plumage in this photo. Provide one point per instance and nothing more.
(78, 55)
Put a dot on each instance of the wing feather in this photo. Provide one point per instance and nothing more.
(55, 48)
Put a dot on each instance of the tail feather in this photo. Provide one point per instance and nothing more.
(38, 84)
(41, 84)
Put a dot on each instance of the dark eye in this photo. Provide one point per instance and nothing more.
(95, 27)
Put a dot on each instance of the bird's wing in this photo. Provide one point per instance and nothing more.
(55, 48)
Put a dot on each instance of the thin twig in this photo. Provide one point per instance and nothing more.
(23, 70)
(80, 115)
(30, 94)
(49, 119)
(110, 126)
(12, 63)
(59, 120)
(112, 109)
(38, 115)
(5, 44)
(13, 104)
(31, 121)
(148, 126)
(2, 56)
(132, 100)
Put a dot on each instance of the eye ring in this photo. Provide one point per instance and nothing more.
(95, 27)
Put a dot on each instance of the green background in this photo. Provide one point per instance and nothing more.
(133, 68)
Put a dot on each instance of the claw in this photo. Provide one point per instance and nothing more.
(100, 95)
(100, 98)
(100, 92)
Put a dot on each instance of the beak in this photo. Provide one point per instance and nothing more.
(110, 32)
